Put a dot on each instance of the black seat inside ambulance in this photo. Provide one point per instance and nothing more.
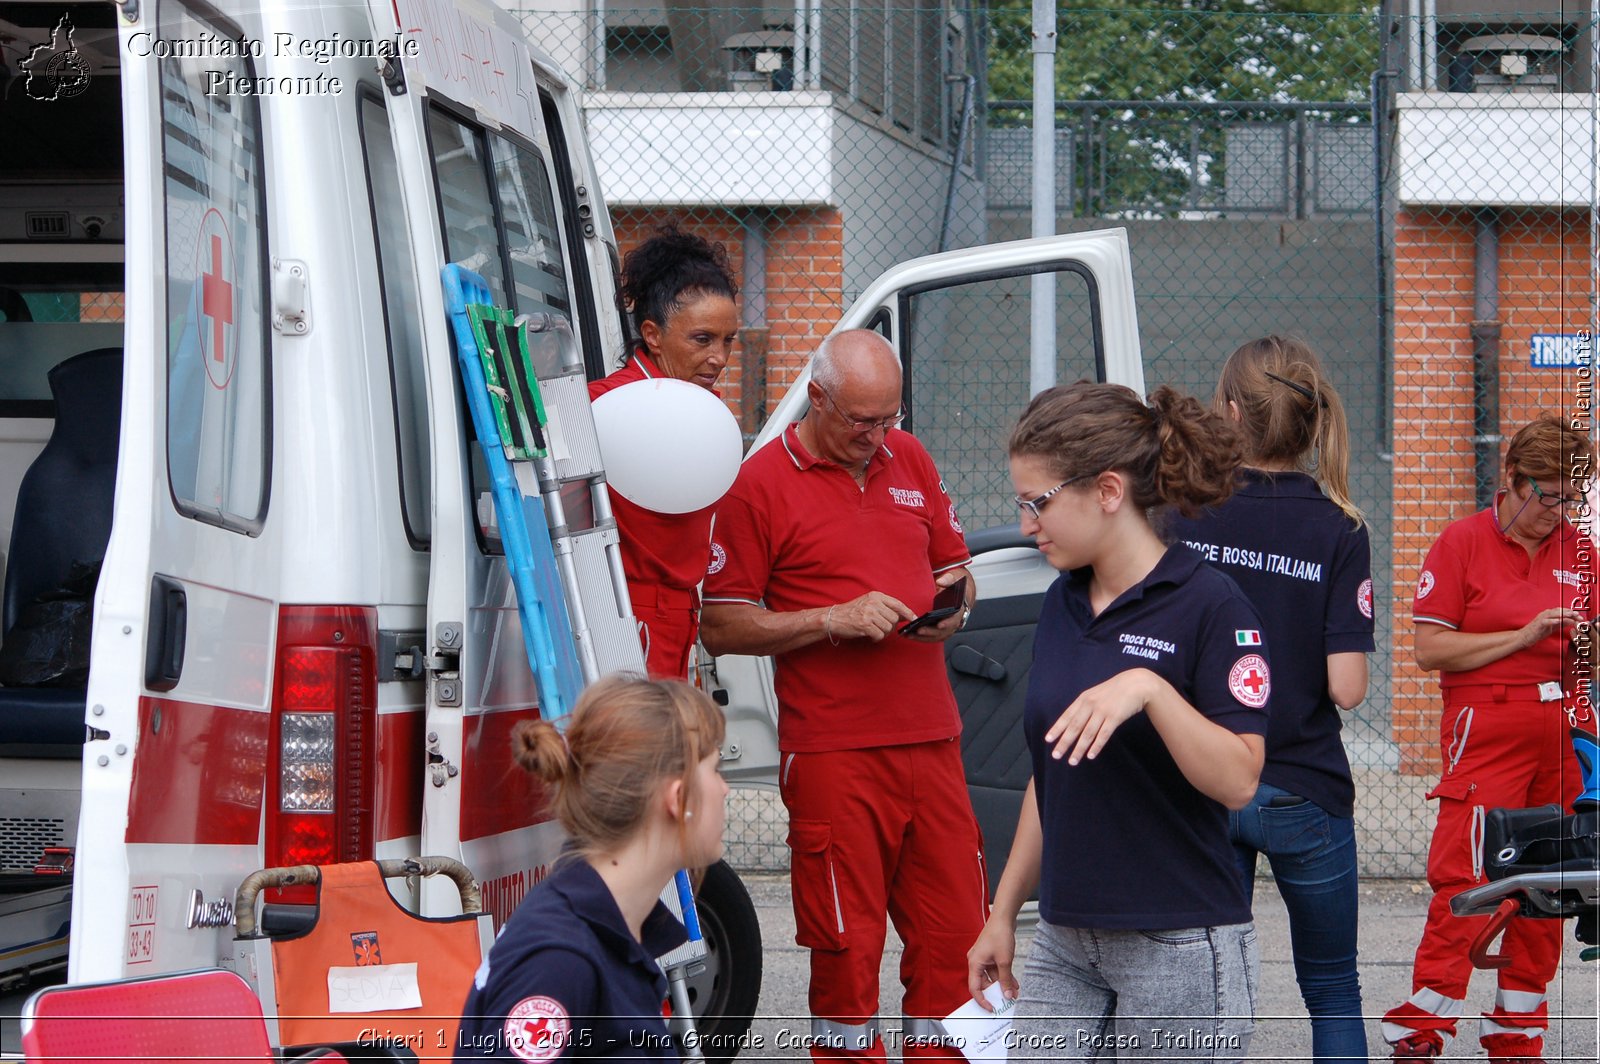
(58, 542)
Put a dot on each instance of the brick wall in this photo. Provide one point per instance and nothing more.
(1544, 287)
(805, 278)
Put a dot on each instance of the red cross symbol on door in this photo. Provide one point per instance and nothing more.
(216, 300)
(214, 266)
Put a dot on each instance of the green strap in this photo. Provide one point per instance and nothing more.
(514, 394)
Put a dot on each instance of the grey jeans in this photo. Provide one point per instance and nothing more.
(1137, 995)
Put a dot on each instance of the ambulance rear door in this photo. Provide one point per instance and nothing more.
(181, 671)
(483, 189)
(960, 322)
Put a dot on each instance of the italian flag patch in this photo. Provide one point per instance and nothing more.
(1246, 637)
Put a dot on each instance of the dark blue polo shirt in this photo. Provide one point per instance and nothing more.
(1307, 569)
(1128, 841)
(566, 978)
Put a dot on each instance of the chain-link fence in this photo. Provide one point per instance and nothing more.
(1413, 196)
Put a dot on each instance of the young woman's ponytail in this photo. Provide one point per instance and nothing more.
(1172, 451)
(1289, 413)
(1199, 455)
(627, 737)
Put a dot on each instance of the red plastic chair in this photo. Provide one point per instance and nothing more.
(210, 1015)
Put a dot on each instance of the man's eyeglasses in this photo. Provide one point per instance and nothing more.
(1550, 502)
(1032, 506)
(858, 425)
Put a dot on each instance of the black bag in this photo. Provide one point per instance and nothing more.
(1542, 839)
(49, 644)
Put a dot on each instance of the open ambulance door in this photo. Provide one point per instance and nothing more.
(178, 698)
(960, 322)
(487, 186)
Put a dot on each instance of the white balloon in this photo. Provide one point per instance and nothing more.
(668, 445)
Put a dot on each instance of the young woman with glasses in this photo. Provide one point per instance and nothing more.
(1501, 596)
(1146, 706)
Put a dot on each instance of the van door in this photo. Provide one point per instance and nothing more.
(181, 673)
(959, 321)
(482, 189)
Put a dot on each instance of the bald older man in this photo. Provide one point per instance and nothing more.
(833, 537)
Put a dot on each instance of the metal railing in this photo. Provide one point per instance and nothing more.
(1164, 159)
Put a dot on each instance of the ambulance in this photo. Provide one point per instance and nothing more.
(255, 609)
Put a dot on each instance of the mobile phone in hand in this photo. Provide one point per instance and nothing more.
(946, 603)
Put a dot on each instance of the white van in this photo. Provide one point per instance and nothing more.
(233, 450)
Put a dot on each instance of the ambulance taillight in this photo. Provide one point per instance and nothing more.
(324, 708)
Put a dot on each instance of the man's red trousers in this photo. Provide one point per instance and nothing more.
(885, 831)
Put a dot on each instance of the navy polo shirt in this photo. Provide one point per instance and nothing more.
(1307, 569)
(567, 978)
(1128, 841)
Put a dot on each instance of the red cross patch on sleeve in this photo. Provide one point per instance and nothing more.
(537, 1029)
(1250, 681)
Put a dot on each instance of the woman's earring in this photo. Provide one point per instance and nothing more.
(688, 814)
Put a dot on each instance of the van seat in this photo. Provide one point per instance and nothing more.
(63, 516)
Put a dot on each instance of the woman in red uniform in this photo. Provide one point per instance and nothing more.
(1500, 596)
(679, 291)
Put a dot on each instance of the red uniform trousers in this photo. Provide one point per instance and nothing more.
(669, 623)
(1497, 754)
(884, 830)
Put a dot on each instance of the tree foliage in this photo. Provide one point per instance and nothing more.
(1232, 59)
(1209, 50)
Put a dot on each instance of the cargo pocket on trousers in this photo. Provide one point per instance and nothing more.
(1448, 852)
(818, 916)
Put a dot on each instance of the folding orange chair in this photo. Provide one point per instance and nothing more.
(367, 971)
(166, 1019)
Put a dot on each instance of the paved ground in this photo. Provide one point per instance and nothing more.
(1391, 918)
(1392, 914)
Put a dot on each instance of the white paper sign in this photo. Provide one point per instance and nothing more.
(374, 988)
(981, 1035)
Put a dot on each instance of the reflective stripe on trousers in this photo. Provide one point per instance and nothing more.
(849, 1037)
(924, 1030)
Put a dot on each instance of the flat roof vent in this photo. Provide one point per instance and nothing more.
(1514, 62)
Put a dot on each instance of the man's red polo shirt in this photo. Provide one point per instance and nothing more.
(662, 554)
(797, 533)
(1478, 579)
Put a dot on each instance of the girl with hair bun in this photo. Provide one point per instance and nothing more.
(1144, 718)
(678, 292)
(635, 786)
(1297, 546)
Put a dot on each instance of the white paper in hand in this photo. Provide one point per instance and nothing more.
(981, 1035)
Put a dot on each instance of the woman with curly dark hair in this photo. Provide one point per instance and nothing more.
(678, 291)
(1145, 715)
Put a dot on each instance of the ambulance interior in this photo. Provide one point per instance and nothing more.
(61, 334)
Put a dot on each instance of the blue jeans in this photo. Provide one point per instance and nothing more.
(1313, 859)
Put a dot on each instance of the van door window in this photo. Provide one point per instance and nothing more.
(407, 380)
(533, 239)
(967, 348)
(499, 218)
(50, 312)
(218, 434)
(466, 210)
